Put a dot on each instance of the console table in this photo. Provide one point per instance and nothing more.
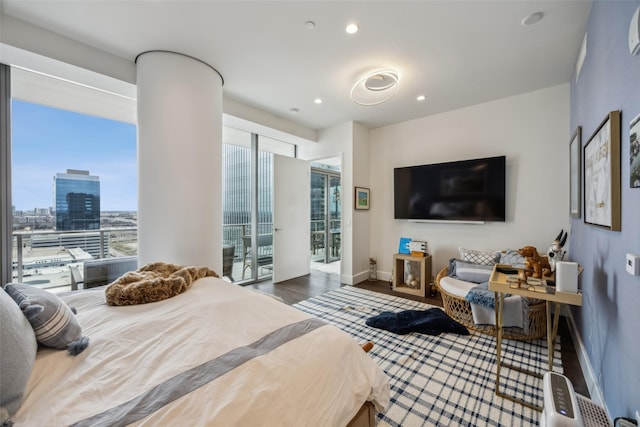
(499, 284)
(417, 266)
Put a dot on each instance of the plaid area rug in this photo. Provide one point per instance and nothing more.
(445, 380)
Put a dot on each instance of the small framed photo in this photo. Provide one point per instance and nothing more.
(361, 199)
(602, 175)
(575, 150)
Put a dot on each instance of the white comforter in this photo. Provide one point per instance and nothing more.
(318, 379)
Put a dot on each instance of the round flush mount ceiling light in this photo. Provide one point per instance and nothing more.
(352, 28)
(375, 88)
(532, 19)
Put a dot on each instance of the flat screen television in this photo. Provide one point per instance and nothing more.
(467, 190)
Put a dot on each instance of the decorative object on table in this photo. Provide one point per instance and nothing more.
(373, 269)
(418, 248)
(536, 266)
(575, 148)
(555, 252)
(361, 199)
(404, 245)
(634, 152)
(567, 276)
(602, 175)
(411, 275)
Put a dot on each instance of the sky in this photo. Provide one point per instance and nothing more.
(47, 140)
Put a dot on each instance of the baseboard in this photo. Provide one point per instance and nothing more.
(360, 277)
(583, 358)
(385, 276)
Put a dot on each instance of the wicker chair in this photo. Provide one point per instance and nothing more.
(460, 310)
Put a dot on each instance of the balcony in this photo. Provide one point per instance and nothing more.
(48, 259)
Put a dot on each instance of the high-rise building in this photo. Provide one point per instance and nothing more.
(77, 200)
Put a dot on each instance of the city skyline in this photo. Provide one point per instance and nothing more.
(47, 141)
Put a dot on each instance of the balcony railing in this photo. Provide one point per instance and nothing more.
(58, 249)
(45, 256)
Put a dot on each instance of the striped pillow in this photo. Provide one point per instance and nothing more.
(53, 322)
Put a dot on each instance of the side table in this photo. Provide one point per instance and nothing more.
(499, 285)
(418, 267)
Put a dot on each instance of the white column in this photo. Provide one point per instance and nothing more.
(179, 160)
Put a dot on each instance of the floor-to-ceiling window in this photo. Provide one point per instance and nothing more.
(73, 178)
(247, 202)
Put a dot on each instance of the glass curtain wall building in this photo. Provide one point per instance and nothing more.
(77, 200)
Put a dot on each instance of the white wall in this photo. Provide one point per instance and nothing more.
(361, 177)
(531, 129)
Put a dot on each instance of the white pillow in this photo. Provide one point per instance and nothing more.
(479, 257)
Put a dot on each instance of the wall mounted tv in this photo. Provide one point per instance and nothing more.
(467, 190)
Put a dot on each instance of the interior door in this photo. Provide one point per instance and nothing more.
(291, 218)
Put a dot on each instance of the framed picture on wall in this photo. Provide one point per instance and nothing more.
(361, 198)
(602, 175)
(634, 152)
(575, 148)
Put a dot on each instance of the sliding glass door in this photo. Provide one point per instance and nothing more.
(247, 203)
(326, 213)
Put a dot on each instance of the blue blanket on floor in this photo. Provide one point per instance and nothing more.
(431, 322)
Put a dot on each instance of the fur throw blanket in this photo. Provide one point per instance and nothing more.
(153, 282)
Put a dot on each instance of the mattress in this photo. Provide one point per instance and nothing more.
(218, 354)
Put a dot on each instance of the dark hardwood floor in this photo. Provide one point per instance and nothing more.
(316, 283)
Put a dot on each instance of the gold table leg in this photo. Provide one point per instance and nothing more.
(499, 297)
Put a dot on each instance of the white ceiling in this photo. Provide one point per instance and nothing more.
(457, 53)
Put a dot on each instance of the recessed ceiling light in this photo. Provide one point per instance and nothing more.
(532, 19)
(352, 28)
(421, 97)
(318, 101)
(310, 25)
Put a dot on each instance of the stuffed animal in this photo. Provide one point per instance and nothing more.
(536, 265)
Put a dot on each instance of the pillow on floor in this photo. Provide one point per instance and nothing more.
(53, 322)
(479, 257)
(18, 348)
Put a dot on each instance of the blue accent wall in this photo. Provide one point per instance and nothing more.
(609, 321)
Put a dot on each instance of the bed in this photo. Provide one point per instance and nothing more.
(217, 354)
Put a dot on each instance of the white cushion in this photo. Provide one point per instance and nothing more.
(456, 287)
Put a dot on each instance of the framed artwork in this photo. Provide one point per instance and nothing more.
(575, 148)
(602, 175)
(362, 196)
(634, 152)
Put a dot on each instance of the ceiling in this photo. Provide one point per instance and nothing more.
(456, 53)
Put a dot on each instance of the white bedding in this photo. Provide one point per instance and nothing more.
(319, 378)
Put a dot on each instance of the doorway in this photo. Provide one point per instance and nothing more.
(326, 213)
